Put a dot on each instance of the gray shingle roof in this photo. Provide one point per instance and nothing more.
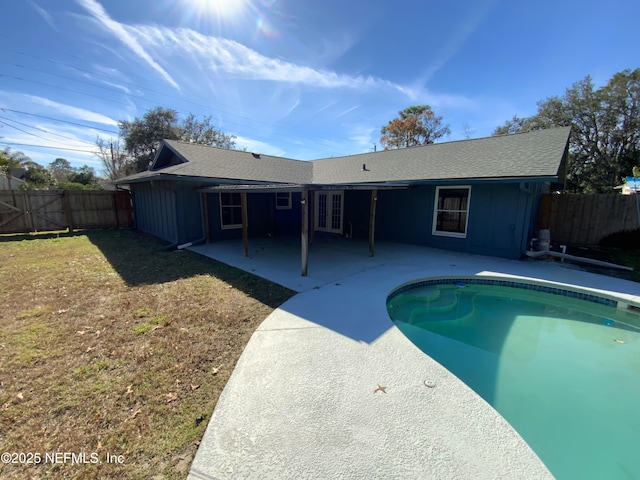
(206, 161)
(533, 154)
(524, 155)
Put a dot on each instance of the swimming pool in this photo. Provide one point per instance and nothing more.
(562, 367)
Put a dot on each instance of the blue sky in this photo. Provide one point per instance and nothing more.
(299, 79)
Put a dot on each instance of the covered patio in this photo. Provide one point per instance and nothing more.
(321, 218)
(329, 259)
(332, 259)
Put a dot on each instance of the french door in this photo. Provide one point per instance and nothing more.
(328, 211)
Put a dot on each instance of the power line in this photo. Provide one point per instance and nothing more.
(24, 131)
(59, 120)
(202, 105)
(40, 129)
(62, 88)
(46, 147)
(241, 122)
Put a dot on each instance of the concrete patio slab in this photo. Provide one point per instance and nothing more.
(302, 400)
(279, 259)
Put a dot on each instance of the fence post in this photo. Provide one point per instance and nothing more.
(27, 213)
(67, 210)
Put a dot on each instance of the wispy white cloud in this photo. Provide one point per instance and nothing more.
(348, 110)
(121, 33)
(10, 99)
(232, 59)
(252, 145)
(324, 107)
(45, 142)
(363, 137)
(457, 39)
(44, 14)
(291, 108)
(335, 47)
(74, 112)
(224, 59)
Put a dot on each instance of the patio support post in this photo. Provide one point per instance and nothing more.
(305, 231)
(245, 230)
(372, 219)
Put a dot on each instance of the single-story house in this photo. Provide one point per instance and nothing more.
(478, 196)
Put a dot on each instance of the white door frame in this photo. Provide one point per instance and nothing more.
(327, 217)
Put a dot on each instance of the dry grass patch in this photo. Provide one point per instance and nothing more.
(110, 344)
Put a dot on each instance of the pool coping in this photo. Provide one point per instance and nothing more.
(301, 403)
(601, 297)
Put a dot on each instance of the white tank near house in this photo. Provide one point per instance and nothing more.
(544, 238)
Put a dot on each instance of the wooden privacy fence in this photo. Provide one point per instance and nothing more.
(579, 219)
(45, 210)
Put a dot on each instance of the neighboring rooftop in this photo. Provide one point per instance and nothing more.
(536, 154)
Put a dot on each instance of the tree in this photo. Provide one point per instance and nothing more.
(605, 134)
(10, 160)
(115, 160)
(193, 131)
(467, 131)
(142, 137)
(60, 168)
(36, 176)
(85, 175)
(520, 125)
(416, 125)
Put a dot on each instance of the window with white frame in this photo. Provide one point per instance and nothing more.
(283, 200)
(230, 210)
(451, 212)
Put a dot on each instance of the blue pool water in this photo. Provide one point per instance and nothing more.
(565, 373)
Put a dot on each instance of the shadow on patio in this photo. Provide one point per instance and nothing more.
(279, 259)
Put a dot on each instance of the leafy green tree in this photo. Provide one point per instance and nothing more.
(11, 159)
(202, 132)
(142, 137)
(36, 177)
(85, 175)
(60, 168)
(75, 186)
(416, 125)
(605, 133)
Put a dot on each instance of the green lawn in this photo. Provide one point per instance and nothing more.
(111, 345)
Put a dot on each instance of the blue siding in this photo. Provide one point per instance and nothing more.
(500, 219)
(405, 215)
(155, 209)
(357, 205)
(258, 205)
(287, 222)
(501, 216)
(168, 210)
(189, 210)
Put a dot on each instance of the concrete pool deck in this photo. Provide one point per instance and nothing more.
(301, 402)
